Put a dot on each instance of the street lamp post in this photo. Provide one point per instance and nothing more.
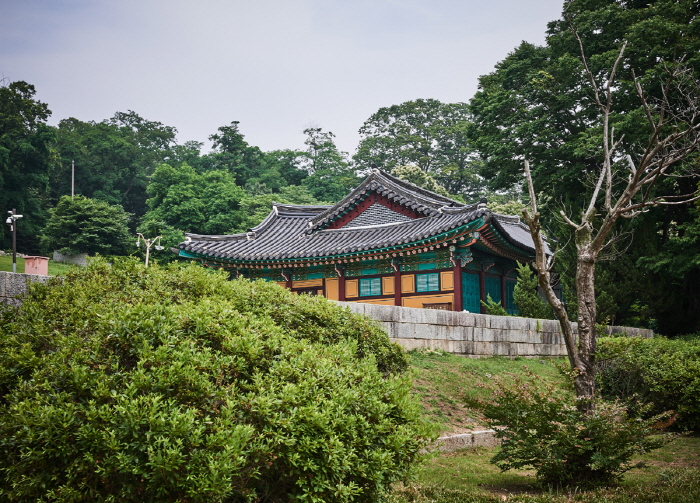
(148, 243)
(12, 221)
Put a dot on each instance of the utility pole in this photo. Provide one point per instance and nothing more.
(72, 179)
(12, 221)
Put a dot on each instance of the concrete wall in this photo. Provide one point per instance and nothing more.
(14, 285)
(473, 334)
(78, 259)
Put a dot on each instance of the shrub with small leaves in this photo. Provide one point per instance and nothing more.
(525, 296)
(659, 371)
(541, 428)
(494, 308)
(122, 383)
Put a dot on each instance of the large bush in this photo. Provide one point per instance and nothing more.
(83, 225)
(541, 428)
(660, 371)
(173, 384)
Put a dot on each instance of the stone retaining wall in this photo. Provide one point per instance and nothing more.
(14, 285)
(471, 334)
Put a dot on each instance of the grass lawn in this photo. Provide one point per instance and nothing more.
(55, 269)
(442, 381)
(671, 474)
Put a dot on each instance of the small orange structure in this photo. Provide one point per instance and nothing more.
(36, 265)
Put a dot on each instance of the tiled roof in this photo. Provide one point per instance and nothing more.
(292, 232)
(400, 191)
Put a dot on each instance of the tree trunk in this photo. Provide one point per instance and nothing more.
(584, 381)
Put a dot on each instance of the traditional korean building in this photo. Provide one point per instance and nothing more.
(387, 242)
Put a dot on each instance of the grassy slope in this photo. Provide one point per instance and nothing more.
(55, 269)
(442, 380)
(671, 474)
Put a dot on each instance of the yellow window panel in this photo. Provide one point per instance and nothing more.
(351, 288)
(447, 280)
(388, 286)
(408, 283)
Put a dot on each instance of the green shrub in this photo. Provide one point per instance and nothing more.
(659, 371)
(173, 384)
(541, 428)
(494, 308)
(525, 296)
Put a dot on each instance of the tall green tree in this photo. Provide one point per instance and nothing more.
(26, 158)
(537, 105)
(425, 133)
(84, 225)
(331, 176)
(113, 158)
(206, 203)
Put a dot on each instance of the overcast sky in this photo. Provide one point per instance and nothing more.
(277, 66)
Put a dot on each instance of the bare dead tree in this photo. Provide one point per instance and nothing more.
(624, 189)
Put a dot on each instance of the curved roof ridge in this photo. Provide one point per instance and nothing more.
(419, 190)
(400, 191)
(216, 237)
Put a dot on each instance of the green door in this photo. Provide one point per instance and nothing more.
(471, 297)
(493, 288)
(511, 308)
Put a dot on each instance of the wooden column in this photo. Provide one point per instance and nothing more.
(341, 283)
(457, 282)
(482, 291)
(397, 286)
(288, 277)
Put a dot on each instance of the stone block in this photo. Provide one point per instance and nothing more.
(423, 331)
(516, 323)
(499, 322)
(445, 317)
(411, 315)
(454, 442)
(516, 335)
(481, 320)
(465, 319)
(10, 301)
(550, 326)
(3, 280)
(486, 438)
(382, 313)
(16, 285)
(501, 348)
(482, 334)
(439, 331)
(483, 348)
(458, 333)
(405, 331)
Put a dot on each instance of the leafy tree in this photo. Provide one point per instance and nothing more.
(123, 383)
(331, 176)
(113, 158)
(84, 225)
(419, 177)
(536, 105)
(288, 164)
(623, 189)
(233, 154)
(206, 203)
(255, 207)
(424, 133)
(26, 159)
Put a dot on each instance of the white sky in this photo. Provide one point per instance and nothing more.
(277, 66)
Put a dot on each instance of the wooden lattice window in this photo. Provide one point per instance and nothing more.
(440, 306)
